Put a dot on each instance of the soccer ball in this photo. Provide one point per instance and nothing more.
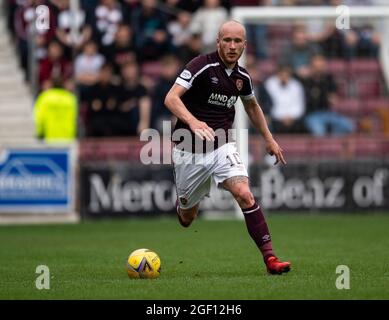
(143, 263)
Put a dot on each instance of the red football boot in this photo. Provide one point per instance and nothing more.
(275, 266)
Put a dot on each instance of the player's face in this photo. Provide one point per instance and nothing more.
(231, 43)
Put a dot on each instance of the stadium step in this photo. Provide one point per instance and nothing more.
(18, 141)
(15, 79)
(16, 100)
(21, 123)
(11, 131)
(5, 44)
(3, 26)
(6, 53)
(13, 107)
(21, 92)
(8, 68)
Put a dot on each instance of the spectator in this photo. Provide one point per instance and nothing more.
(89, 7)
(206, 22)
(24, 17)
(68, 19)
(128, 6)
(108, 16)
(40, 48)
(363, 38)
(180, 31)
(122, 49)
(192, 49)
(325, 34)
(360, 40)
(287, 95)
(55, 114)
(190, 6)
(134, 103)
(101, 117)
(298, 54)
(170, 68)
(320, 90)
(150, 30)
(54, 65)
(87, 66)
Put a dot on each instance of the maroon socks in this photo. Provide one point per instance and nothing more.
(258, 230)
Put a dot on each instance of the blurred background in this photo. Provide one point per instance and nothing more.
(81, 79)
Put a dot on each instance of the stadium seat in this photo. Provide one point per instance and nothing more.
(367, 147)
(375, 104)
(342, 85)
(364, 66)
(385, 147)
(151, 69)
(367, 88)
(337, 67)
(327, 147)
(279, 32)
(294, 146)
(123, 149)
(350, 107)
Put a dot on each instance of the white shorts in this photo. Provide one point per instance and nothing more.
(193, 172)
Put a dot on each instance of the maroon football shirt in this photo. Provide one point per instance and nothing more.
(212, 92)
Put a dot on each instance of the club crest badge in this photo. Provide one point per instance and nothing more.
(239, 84)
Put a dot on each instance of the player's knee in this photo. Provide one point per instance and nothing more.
(244, 197)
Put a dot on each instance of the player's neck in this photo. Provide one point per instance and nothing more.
(229, 66)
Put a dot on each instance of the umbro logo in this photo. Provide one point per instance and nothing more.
(214, 80)
(266, 237)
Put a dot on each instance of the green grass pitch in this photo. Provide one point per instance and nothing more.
(210, 260)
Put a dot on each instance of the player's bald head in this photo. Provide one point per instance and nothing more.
(232, 26)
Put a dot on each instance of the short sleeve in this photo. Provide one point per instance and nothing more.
(190, 72)
(247, 91)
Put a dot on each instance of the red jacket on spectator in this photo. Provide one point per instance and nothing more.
(53, 69)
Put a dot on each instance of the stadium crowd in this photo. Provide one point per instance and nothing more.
(123, 56)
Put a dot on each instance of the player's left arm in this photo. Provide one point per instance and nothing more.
(258, 120)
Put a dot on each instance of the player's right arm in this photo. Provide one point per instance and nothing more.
(174, 103)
